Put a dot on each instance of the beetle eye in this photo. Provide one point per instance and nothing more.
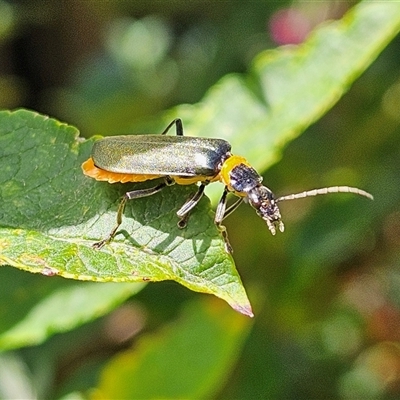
(254, 199)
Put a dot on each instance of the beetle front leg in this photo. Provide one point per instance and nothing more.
(134, 194)
(219, 216)
(232, 207)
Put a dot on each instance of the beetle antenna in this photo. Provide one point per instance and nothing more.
(326, 190)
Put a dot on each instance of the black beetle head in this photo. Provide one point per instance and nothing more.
(263, 201)
(246, 182)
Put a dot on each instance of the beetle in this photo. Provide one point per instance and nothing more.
(186, 160)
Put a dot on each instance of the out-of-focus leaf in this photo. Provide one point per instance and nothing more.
(35, 308)
(189, 359)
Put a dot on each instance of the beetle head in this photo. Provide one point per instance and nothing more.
(246, 182)
(263, 201)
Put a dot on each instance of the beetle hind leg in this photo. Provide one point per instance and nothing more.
(134, 194)
(120, 212)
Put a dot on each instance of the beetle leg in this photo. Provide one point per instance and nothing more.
(233, 207)
(183, 212)
(220, 215)
(134, 194)
(137, 194)
(120, 212)
(178, 125)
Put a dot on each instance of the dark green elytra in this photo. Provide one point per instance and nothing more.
(161, 155)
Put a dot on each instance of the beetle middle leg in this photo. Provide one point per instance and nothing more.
(134, 194)
(184, 212)
(178, 127)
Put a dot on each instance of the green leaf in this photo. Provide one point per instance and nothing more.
(187, 360)
(51, 214)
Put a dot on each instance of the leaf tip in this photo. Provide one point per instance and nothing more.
(243, 309)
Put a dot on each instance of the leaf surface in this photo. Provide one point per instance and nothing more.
(51, 214)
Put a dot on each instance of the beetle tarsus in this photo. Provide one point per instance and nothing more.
(183, 221)
(224, 233)
(99, 245)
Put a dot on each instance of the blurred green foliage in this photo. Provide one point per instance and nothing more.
(327, 303)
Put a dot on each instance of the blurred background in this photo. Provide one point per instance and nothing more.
(327, 300)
